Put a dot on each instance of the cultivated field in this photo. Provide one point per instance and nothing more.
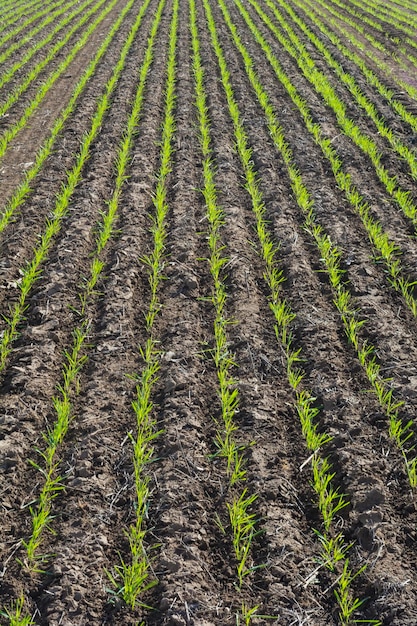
(208, 303)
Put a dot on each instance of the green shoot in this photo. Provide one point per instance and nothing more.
(16, 614)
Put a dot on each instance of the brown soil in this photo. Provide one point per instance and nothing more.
(192, 559)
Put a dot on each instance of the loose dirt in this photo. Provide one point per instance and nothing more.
(188, 540)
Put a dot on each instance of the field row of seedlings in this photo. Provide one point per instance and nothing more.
(208, 335)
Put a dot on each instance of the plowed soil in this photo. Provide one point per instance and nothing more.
(192, 559)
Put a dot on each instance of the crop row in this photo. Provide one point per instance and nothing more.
(242, 521)
(133, 577)
(16, 14)
(350, 313)
(69, 16)
(75, 355)
(14, 129)
(372, 51)
(371, 77)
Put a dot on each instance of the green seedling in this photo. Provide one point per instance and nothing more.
(74, 358)
(348, 605)
(243, 525)
(68, 18)
(35, 102)
(330, 255)
(227, 429)
(16, 614)
(133, 578)
(334, 550)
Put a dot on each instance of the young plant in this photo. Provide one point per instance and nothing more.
(16, 614)
(243, 524)
(132, 578)
(35, 102)
(24, 188)
(74, 358)
(246, 614)
(32, 271)
(330, 501)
